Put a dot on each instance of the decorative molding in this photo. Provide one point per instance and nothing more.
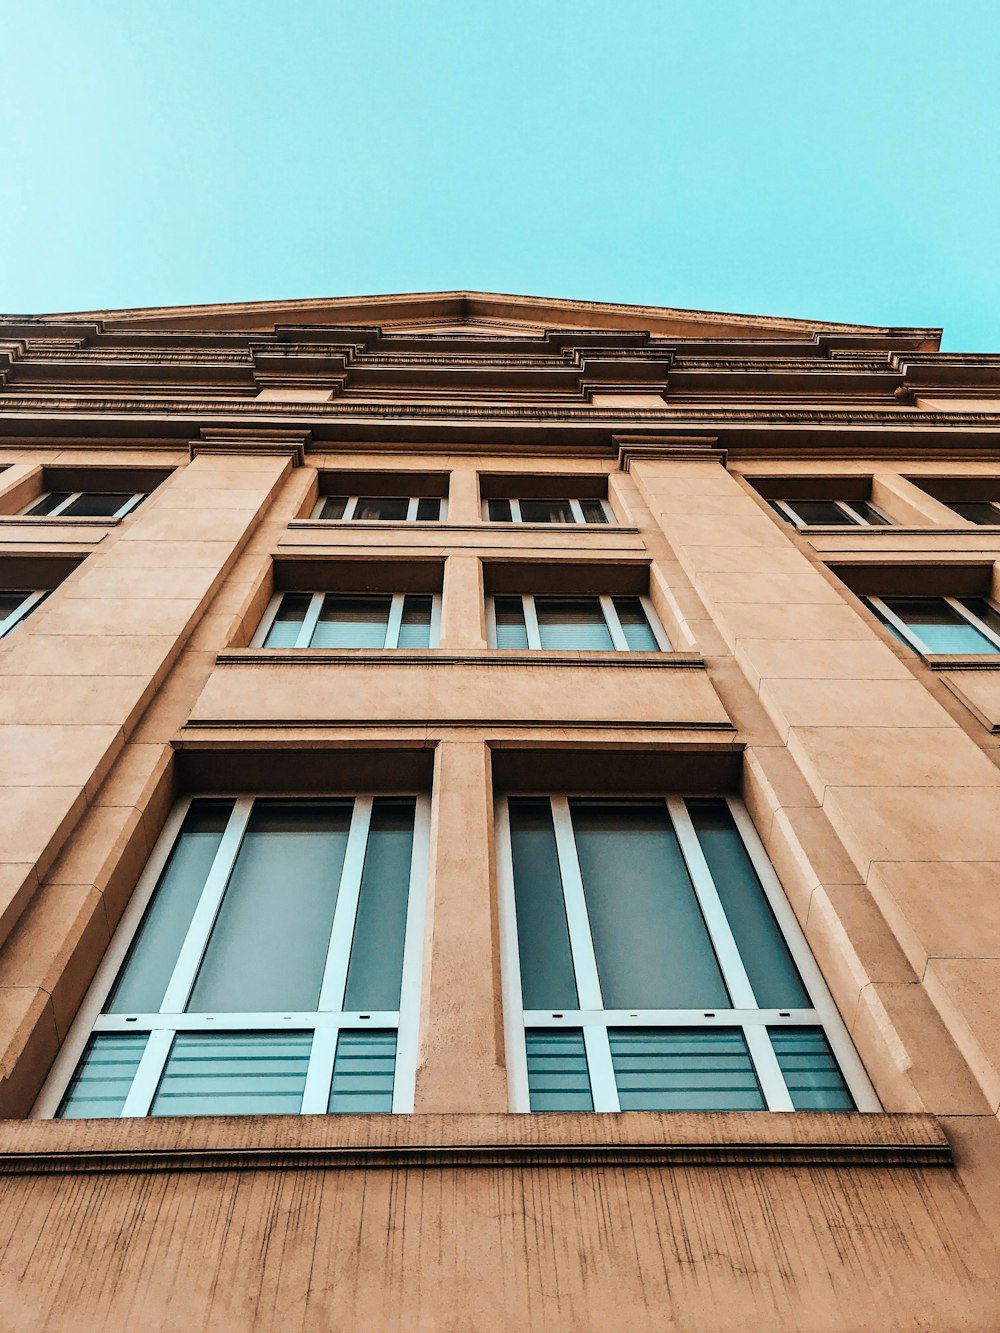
(260, 442)
(696, 448)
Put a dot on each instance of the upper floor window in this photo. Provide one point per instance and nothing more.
(839, 513)
(382, 508)
(86, 504)
(985, 512)
(590, 623)
(15, 605)
(962, 625)
(503, 510)
(350, 620)
(976, 499)
(268, 963)
(652, 963)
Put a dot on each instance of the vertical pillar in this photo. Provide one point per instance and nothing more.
(908, 504)
(462, 623)
(19, 484)
(463, 495)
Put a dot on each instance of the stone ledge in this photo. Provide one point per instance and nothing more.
(427, 657)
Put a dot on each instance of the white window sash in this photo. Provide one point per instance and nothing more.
(64, 505)
(120, 512)
(973, 619)
(659, 633)
(577, 511)
(610, 613)
(394, 622)
(24, 608)
(845, 507)
(310, 620)
(411, 509)
(914, 638)
(789, 513)
(910, 635)
(130, 504)
(581, 940)
(435, 628)
(515, 511)
(531, 621)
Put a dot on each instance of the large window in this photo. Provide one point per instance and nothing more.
(964, 625)
(837, 513)
(350, 620)
(382, 508)
(86, 504)
(651, 963)
(614, 623)
(503, 510)
(15, 605)
(269, 962)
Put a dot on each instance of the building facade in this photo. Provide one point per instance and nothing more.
(501, 820)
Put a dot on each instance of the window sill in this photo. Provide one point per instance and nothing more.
(524, 657)
(437, 524)
(70, 521)
(963, 661)
(756, 1138)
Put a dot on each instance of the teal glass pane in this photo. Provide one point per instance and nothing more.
(546, 511)
(234, 1073)
(375, 971)
(509, 613)
(49, 502)
(768, 961)
(977, 511)
(810, 1070)
(547, 978)
(684, 1069)
(939, 626)
(104, 1076)
(572, 622)
(348, 621)
(635, 625)
(415, 627)
(593, 511)
(653, 948)
(268, 946)
(97, 504)
(288, 622)
(382, 508)
(364, 1071)
(334, 506)
(558, 1079)
(147, 969)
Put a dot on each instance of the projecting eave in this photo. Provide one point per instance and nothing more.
(487, 314)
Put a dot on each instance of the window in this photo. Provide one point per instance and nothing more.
(499, 510)
(15, 605)
(978, 511)
(652, 963)
(964, 625)
(616, 623)
(842, 513)
(350, 620)
(269, 963)
(86, 504)
(382, 508)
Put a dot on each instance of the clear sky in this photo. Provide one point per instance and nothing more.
(835, 160)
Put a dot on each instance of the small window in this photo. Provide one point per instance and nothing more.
(681, 985)
(350, 620)
(984, 512)
(833, 513)
(15, 605)
(584, 624)
(382, 508)
(504, 510)
(968, 626)
(270, 967)
(86, 504)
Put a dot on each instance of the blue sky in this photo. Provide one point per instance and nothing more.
(834, 161)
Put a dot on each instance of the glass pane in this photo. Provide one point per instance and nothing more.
(939, 626)
(652, 945)
(286, 624)
(684, 1069)
(333, 506)
(546, 511)
(382, 508)
(768, 961)
(104, 1076)
(547, 978)
(982, 610)
(415, 627)
(870, 515)
(235, 1073)
(810, 1070)
(376, 967)
(428, 510)
(593, 511)
(499, 511)
(819, 511)
(352, 622)
(572, 622)
(268, 947)
(10, 601)
(558, 1079)
(143, 979)
(635, 626)
(49, 502)
(363, 1073)
(97, 504)
(978, 511)
(509, 613)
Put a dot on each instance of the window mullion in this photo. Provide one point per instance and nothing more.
(601, 1069)
(765, 1062)
(723, 941)
(908, 634)
(408, 1026)
(588, 983)
(65, 504)
(530, 620)
(614, 624)
(510, 968)
(309, 621)
(655, 625)
(148, 1074)
(515, 511)
(577, 511)
(350, 507)
(394, 621)
(264, 628)
(196, 940)
(851, 513)
(411, 508)
(331, 996)
(789, 512)
(31, 600)
(130, 504)
(435, 626)
(973, 620)
(319, 1072)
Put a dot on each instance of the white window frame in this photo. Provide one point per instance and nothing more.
(786, 507)
(412, 503)
(325, 1023)
(914, 639)
(593, 1020)
(575, 506)
(31, 600)
(58, 512)
(311, 618)
(608, 610)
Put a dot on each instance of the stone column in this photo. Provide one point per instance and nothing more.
(462, 615)
(463, 495)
